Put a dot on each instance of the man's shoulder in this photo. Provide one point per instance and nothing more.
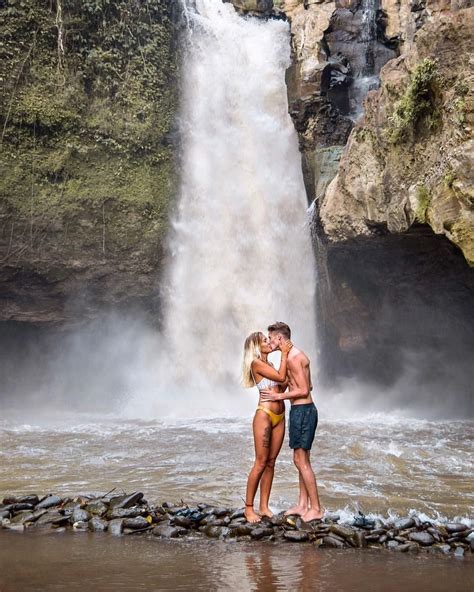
(298, 358)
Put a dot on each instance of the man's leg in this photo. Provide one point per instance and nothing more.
(302, 462)
(302, 505)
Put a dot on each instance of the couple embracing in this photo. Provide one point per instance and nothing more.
(269, 422)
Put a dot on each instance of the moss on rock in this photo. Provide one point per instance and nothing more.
(88, 102)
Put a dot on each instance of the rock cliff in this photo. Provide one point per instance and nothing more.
(87, 105)
(409, 161)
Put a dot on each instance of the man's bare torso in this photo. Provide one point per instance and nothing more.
(298, 366)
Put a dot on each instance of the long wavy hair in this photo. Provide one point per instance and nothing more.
(252, 352)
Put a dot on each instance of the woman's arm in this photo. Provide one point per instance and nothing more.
(267, 371)
(300, 390)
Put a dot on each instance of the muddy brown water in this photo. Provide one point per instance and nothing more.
(48, 561)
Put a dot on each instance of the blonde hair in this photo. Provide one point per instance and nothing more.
(252, 352)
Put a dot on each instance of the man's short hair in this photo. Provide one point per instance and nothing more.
(282, 328)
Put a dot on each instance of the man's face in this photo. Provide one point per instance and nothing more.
(274, 340)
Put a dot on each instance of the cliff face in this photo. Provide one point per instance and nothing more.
(87, 106)
(410, 159)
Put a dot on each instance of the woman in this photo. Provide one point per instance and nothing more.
(269, 420)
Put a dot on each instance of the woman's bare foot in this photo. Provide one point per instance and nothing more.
(296, 511)
(313, 515)
(265, 512)
(251, 516)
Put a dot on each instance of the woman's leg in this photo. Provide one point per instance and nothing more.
(278, 434)
(262, 433)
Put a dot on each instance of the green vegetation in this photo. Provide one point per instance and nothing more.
(417, 109)
(87, 104)
(423, 202)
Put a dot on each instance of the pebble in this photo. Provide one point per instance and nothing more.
(80, 515)
(296, 536)
(459, 552)
(392, 544)
(126, 501)
(332, 541)
(98, 524)
(51, 517)
(455, 527)
(136, 523)
(261, 532)
(97, 508)
(166, 531)
(125, 512)
(423, 538)
(403, 523)
(115, 527)
(49, 502)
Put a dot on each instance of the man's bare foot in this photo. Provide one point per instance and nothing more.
(265, 512)
(296, 511)
(313, 514)
(251, 516)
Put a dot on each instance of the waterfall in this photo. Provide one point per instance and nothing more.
(240, 250)
(366, 75)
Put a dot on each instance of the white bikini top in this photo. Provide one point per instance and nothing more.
(264, 384)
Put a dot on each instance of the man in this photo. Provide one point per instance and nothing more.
(303, 421)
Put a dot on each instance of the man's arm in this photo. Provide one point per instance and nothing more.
(300, 389)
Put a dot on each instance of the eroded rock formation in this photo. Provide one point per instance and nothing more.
(410, 159)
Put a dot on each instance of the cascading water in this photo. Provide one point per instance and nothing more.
(366, 76)
(241, 254)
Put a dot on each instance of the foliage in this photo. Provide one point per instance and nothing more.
(423, 202)
(417, 106)
(90, 121)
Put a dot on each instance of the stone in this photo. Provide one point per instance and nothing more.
(97, 524)
(360, 540)
(242, 530)
(4, 514)
(345, 532)
(22, 499)
(52, 517)
(237, 514)
(126, 512)
(80, 526)
(261, 532)
(423, 538)
(459, 552)
(126, 501)
(136, 523)
(166, 531)
(182, 521)
(332, 541)
(213, 532)
(237, 522)
(22, 517)
(403, 523)
(80, 515)
(445, 549)
(296, 536)
(453, 527)
(115, 527)
(392, 544)
(15, 527)
(49, 502)
(97, 508)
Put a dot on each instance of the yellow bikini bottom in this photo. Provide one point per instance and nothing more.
(276, 418)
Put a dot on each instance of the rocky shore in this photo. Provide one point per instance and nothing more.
(131, 514)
